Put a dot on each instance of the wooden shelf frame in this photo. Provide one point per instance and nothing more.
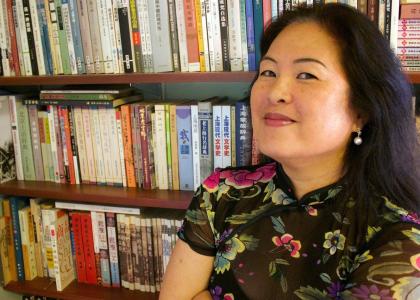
(97, 194)
(174, 77)
(79, 291)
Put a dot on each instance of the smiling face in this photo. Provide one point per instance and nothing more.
(300, 101)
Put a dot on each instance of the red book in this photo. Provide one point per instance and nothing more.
(88, 249)
(145, 127)
(266, 13)
(410, 11)
(192, 36)
(78, 245)
(13, 58)
(64, 114)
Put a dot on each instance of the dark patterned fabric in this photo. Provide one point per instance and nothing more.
(267, 245)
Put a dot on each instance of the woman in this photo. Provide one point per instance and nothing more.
(329, 217)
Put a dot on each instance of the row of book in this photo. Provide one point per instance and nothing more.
(409, 36)
(123, 36)
(62, 138)
(93, 244)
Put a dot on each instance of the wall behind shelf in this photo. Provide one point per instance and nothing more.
(6, 295)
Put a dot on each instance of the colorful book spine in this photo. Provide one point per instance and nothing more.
(88, 248)
(65, 57)
(124, 19)
(174, 147)
(36, 144)
(183, 121)
(113, 249)
(85, 35)
(205, 119)
(174, 35)
(78, 243)
(65, 12)
(192, 36)
(7, 252)
(195, 145)
(121, 146)
(36, 29)
(243, 134)
(14, 57)
(124, 251)
(17, 203)
(217, 136)
(258, 28)
(127, 141)
(28, 243)
(77, 37)
(101, 247)
(226, 136)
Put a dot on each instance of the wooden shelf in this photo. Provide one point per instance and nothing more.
(128, 78)
(414, 77)
(79, 291)
(98, 194)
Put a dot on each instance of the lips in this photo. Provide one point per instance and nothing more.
(277, 119)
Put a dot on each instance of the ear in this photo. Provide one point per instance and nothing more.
(359, 121)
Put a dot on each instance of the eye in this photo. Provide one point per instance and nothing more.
(306, 76)
(268, 73)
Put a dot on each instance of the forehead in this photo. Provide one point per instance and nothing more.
(307, 39)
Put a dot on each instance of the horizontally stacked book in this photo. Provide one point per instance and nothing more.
(115, 137)
(101, 245)
(409, 35)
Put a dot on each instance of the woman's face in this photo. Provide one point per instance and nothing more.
(300, 101)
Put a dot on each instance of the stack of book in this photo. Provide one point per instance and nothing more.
(409, 35)
(94, 244)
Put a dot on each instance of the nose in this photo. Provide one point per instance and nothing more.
(280, 91)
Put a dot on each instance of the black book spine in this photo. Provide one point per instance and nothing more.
(224, 33)
(125, 39)
(30, 35)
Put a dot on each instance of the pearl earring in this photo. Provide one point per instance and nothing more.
(358, 139)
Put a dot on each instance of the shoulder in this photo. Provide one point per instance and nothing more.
(240, 177)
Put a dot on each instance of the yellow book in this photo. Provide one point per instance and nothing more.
(200, 36)
(28, 243)
(174, 147)
(7, 249)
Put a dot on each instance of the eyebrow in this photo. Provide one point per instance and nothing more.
(298, 60)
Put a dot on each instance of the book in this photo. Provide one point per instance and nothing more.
(100, 243)
(28, 243)
(17, 203)
(76, 230)
(124, 251)
(97, 208)
(88, 248)
(7, 249)
(36, 144)
(61, 247)
(183, 121)
(113, 249)
(7, 161)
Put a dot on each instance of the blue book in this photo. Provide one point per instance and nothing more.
(185, 162)
(77, 37)
(43, 28)
(113, 251)
(243, 129)
(250, 34)
(258, 29)
(17, 203)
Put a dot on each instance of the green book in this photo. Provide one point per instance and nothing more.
(65, 57)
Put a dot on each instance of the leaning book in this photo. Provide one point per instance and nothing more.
(7, 157)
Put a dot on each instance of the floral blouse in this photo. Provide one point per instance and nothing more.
(268, 245)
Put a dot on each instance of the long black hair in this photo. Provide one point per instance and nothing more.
(385, 162)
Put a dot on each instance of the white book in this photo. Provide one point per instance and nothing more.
(118, 42)
(97, 208)
(381, 15)
(114, 147)
(18, 41)
(65, 11)
(49, 216)
(15, 135)
(393, 34)
(20, 20)
(217, 38)
(182, 35)
(145, 34)
(95, 35)
(4, 39)
(39, 48)
(100, 245)
(205, 38)
(121, 147)
(195, 142)
(53, 36)
(161, 43)
(61, 247)
(85, 34)
(104, 30)
(53, 140)
(210, 35)
(235, 40)
(87, 130)
(106, 146)
(97, 145)
(218, 136)
(81, 145)
(113, 36)
(226, 136)
(161, 163)
(244, 43)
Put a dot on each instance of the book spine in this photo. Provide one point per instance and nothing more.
(174, 35)
(135, 137)
(144, 117)
(76, 228)
(195, 143)
(7, 252)
(182, 35)
(113, 249)
(124, 18)
(106, 145)
(114, 149)
(65, 56)
(121, 146)
(38, 45)
(205, 116)
(145, 255)
(168, 146)
(85, 35)
(243, 134)
(258, 28)
(43, 145)
(90, 154)
(127, 141)
(28, 252)
(53, 144)
(24, 43)
(134, 224)
(114, 31)
(81, 144)
(393, 35)
(57, 127)
(36, 145)
(14, 57)
(135, 37)
(244, 45)
(200, 36)
(64, 120)
(218, 136)
(36, 219)
(224, 34)
(88, 248)
(226, 136)
(174, 147)
(97, 145)
(52, 24)
(161, 160)
(183, 121)
(25, 140)
(105, 36)
(15, 205)
(74, 148)
(205, 34)
(77, 37)
(95, 36)
(234, 28)
(103, 249)
(150, 255)
(118, 41)
(217, 38)
(68, 35)
(15, 137)
(210, 33)
(192, 36)
(45, 39)
(145, 38)
(233, 135)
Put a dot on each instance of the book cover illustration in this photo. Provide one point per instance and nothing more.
(7, 157)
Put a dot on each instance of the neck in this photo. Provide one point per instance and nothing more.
(307, 176)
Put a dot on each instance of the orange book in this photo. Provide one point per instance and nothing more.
(128, 145)
(266, 13)
(192, 36)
